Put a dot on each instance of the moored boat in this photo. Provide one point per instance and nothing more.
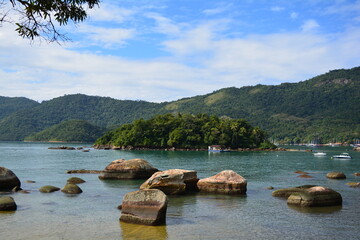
(319, 154)
(342, 156)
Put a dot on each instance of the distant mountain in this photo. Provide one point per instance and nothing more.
(9, 105)
(69, 131)
(324, 108)
(99, 111)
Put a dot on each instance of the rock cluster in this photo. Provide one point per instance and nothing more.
(147, 207)
(128, 169)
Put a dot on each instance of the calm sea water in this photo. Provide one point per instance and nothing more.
(94, 214)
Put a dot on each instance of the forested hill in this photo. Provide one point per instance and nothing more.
(9, 105)
(323, 108)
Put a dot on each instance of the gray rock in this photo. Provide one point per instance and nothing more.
(146, 207)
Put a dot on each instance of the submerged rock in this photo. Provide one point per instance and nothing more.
(128, 169)
(8, 180)
(48, 189)
(353, 184)
(336, 175)
(173, 181)
(315, 197)
(146, 207)
(227, 181)
(75, 180)
(7, 204)
(71, 188)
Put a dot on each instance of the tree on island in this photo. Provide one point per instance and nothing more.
(38, 18)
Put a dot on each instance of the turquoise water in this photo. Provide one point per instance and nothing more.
(94, 214)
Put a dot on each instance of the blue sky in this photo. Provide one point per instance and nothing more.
(164, 50)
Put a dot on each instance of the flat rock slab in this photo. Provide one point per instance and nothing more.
(7, 204)
(145, 207)
(226, 182)
(317, 196)
(8, 180)
(128, 169)
(172, 181)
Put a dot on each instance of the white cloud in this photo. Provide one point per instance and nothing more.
(277, 9)
(164, 25)
(294, 15)
(109, 36)
(309, 25)
(110, 13)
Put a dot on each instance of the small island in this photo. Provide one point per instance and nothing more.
(185, 131)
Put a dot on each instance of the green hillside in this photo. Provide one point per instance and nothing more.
(9, 105)
(324, 108)
(69, 131)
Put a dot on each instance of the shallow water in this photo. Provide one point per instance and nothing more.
(94, 214)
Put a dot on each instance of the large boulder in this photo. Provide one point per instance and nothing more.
(286, 192)
(8, 180)
(146, 207)
(173, 181)
(7, 204)
(128, 169)
(227, 182)
(336, 175)
(315, 197)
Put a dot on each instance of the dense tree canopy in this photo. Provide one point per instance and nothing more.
(39, 18)
(186, 131)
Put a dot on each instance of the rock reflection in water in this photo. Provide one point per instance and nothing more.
(316, 210)
(141, 232)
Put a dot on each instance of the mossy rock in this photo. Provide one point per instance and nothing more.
(71, 188)
(75, 180)
(315, 197)
(336, 175)
(7, 204)
(286, 192)
(48, 189)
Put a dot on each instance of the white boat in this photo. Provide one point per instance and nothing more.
(319, 154)
(342, 156)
